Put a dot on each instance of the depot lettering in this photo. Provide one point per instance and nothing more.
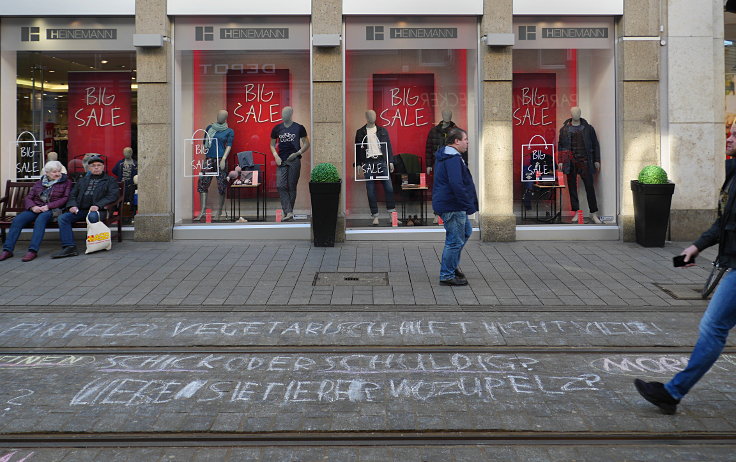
(258, 107)
(403, 110)
(534, 109)
(98, 109)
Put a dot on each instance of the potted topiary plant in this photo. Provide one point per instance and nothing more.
(652, 199)
(324, 189)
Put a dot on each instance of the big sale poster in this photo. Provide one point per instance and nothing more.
(99, 114)
(255, 100)
(405, 107)
(534, 118)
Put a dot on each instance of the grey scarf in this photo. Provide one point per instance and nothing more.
(214, 128)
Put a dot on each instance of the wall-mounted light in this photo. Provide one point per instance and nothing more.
(499, 40)
(326, 40)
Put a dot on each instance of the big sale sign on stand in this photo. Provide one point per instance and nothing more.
(99, 114)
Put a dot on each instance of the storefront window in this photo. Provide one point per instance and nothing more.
(407, 83)
(564, 121)
(75, 91)
(243, 89)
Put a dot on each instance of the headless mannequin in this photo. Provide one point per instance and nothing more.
(54, 156)
(575, 113)
(370, 119)
(221, 119)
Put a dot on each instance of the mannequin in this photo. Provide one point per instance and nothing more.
(373, 147)
(578, 137)
(125, 170)
(436, 139)
(54, 156)
(218, 142)
(292, 143)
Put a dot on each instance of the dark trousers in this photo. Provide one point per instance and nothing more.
(572, 185)
(287, 179)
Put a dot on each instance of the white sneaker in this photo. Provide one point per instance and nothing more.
(289, 216)
(594, 217)
(375, 220)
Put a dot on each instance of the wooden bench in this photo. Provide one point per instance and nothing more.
(13, 202)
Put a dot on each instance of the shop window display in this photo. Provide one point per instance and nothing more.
(243, 105)
(407, 84)
(564, 121)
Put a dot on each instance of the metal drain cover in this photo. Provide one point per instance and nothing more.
(682, 291)
(350, 279)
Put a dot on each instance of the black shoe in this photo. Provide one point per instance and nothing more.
(454, 282)
(69, 251)
(657, 394)
(459, 274)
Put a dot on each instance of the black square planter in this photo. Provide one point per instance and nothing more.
(652, 212)
(325, 201)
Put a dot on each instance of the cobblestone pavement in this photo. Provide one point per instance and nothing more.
(236, 273)
(222, 352)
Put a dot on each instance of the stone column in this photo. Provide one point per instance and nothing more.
(495, 179)
(695, 55)
(154, 220)
(328, 137)
(640, 108)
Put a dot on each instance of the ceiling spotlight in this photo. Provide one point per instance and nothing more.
(51, 70)
(104, 61)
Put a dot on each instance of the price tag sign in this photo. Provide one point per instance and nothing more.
(29, 156)
(376, 166)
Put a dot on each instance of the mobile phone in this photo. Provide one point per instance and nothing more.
(679, 260)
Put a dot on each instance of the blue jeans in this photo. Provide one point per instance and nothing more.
(21, 221)
(457, 232)
(719, 318)
(388, 190)
(66, 220)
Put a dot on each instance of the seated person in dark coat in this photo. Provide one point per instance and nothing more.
(90, 194)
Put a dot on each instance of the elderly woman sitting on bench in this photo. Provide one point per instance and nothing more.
(49, 193)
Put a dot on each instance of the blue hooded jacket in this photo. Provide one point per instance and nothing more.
(453, 189)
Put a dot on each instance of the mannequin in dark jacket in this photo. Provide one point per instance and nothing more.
(90, 194)
(578, 139)
(436, 139)
(49, 193)
(372, 153)
(720, 316)
(125, 170)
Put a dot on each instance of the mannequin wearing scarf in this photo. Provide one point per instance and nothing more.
(218, 142)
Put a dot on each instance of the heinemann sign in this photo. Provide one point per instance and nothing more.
(575, 32)
(423, 32)
(264, 33)
(81, 34)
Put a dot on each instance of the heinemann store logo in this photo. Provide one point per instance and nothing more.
(207, 33)
(33, 34)
(530, 33)
(30, 34)
(377, 33)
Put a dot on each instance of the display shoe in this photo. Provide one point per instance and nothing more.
(417, 221)
(595, 218)
(657, 394)
(375, 220)
(289, 217)
(409, 222)
(30, 255)
(454, 282)
(5, 255)
(435, 220)
(69, 251)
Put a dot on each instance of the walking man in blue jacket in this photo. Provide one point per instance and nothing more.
(453, 199)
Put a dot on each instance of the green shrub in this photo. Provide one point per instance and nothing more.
(653, 174)
(325, 173)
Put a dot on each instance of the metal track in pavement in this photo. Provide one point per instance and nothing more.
(352, 439)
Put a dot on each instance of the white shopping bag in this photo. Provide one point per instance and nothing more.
(98, 236)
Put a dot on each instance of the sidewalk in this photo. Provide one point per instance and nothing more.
(232, 273)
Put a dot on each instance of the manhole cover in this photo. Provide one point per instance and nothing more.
(682, 291)
(350, 279)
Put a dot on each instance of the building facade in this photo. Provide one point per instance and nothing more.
(227, 108)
